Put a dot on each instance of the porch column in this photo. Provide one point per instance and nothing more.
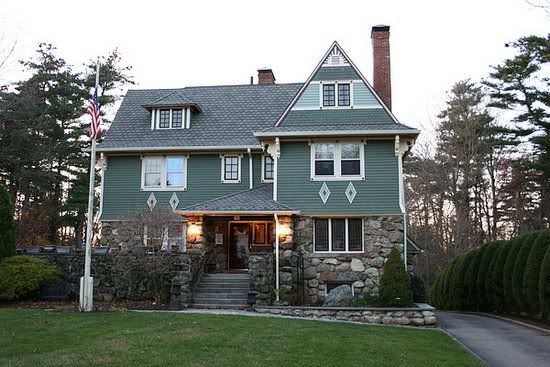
(276, 255)
(274, 151)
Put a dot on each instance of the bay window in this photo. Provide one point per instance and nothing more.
(164, 173)
(338, 235)
(337, 161)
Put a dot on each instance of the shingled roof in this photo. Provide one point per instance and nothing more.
(173, 99)
(230, 116)
(256, 200)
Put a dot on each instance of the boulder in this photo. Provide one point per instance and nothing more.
(339, 297)
(357, 265)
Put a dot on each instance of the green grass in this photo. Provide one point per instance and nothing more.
(32, 337)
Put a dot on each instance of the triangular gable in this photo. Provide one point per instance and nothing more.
(335, 65)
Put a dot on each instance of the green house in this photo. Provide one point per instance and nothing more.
(299, 186)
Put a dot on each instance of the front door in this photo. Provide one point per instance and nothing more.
(239, 245)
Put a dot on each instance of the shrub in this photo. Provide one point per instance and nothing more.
(498, 276)
(489, 281)
(7, 227)
(520, 296)
(532, 271)
(461, 291)
(508, 274)
(434, 290)
(365, 301)
(22, 276)
(452, 302)
(544, 284)
(394, 289)
(481, 285)
(418, 289)
(471, 280)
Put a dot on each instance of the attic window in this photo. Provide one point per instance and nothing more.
(169, 118)
(337, 94)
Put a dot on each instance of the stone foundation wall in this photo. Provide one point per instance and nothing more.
(262, 276)
(421, 316)
(122, 276)
(361, 270)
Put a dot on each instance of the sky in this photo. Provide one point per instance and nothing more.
(434, 43)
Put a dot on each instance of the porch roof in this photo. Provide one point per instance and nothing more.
(256, 201)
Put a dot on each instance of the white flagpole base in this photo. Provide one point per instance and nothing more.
(86, 294)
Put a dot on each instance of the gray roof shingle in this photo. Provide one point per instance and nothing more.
(230, 115)
(255, 200)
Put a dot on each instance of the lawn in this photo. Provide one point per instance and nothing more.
(32, 337)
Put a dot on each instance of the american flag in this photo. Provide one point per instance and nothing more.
(93, 110)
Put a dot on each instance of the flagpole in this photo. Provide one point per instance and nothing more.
(86, 282)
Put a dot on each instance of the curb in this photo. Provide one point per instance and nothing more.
(525, 324)
(465, 347)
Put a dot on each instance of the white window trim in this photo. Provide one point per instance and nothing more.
(239, 168)
(337, 176)
(155, 119)
(346, 251)
(163, 186)
(263, 169)
(336, 82)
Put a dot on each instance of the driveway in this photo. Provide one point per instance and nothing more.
(497, 342)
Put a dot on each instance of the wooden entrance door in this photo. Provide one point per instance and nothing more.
(239, 245)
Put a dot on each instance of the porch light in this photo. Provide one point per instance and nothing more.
(283, 229)
(194, 229)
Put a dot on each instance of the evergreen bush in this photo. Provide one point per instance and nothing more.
(418, 289)
(434, 290)
(22, 276)
(454, 283)
(7, 226)
(471, 280)
(544, 285)
(481, 293)
(461, 290)
(519, 293)
(532, 272)
(498, 276)
(394, 285)
(508, 274)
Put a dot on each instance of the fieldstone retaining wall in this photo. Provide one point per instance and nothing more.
(422, 315)
(129, 277)
(361, 271)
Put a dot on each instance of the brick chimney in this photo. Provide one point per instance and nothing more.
(380, 36)
(266, 76)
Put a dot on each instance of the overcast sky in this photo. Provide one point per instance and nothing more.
(185, 43)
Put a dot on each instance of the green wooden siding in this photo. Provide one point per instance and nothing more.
(122, 191)
(363, 97)
(310, 97)
(336, 73)
(377, 194)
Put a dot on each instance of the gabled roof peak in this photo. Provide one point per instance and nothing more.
(335, 56)
(175, 98)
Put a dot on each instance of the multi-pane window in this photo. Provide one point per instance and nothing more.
(328, 95)
(231, 168)
(165, 238)
(163, 172)
(343, 95)
(152, 172)
(338, 235)
(174, 171)
(268, 168)
(350, 159)
(164, 119)
(337, 160)
(177, 118)
(169, 118)
(324, 159)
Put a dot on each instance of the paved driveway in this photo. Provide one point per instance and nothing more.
(497, 342)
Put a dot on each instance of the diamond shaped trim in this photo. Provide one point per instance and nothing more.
(174, 201)
(351, 192)
(152, 201)
(324, 193)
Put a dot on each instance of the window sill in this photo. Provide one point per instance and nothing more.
(146, 189)
(231, 181)
(340, 178)
(325, 254)
(266, 181)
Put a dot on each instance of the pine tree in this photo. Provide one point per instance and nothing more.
(532, 272)
(394, 285)
(7, 227)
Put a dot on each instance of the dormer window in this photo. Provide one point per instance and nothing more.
(336, 95)
(168, 118)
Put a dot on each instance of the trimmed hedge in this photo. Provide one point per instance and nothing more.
(502, 276)
(22, 276)
(519, 293)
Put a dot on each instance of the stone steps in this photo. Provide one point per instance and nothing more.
(222, 290)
